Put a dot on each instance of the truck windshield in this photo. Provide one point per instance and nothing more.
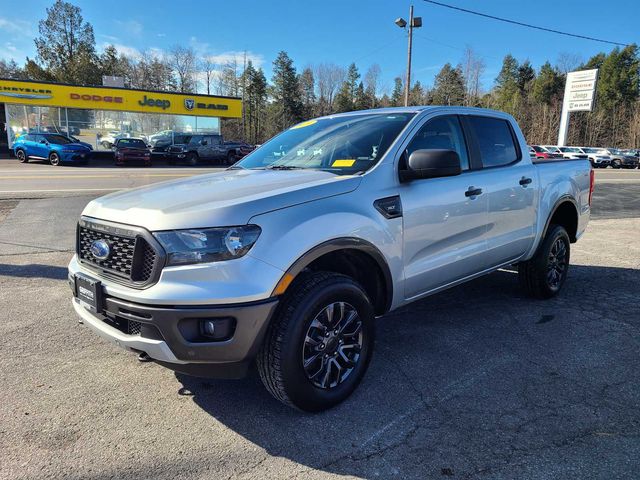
(343, 145)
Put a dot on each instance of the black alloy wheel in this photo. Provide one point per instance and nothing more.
(557, 263)
(332, 345)
(22, 157)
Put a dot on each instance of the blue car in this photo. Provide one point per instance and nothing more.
(53, 147)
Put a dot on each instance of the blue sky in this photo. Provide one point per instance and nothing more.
(339, 31)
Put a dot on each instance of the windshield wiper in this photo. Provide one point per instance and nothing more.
(284, 167)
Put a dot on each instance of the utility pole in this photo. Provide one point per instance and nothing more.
(413, 23)
(408, 85)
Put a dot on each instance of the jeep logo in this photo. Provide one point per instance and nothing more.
(151, 102)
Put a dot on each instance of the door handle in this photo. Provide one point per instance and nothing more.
(524, 181)
(472, 192)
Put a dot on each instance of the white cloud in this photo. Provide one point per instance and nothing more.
(22, 27)
(204, 50)
(124, 49)
(131, 26)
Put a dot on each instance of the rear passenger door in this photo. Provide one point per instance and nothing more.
(445, 225)
(510, 188)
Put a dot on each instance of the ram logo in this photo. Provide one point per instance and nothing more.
(189, 103)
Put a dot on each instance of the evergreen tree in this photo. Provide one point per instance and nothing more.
(526, 75)
(548, 86)
(448, 87)
(398, 92)
(307, 92)
(345, 100)
(362, 99)
(66, 46)
(507, 92)
(286, 108)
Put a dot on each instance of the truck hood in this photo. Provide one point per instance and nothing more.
(231, 197)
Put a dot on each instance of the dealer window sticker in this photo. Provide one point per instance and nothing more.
(343, 162)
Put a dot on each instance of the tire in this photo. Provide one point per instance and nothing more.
(544, 275)
(231, 158)
(22, 156)
(106, 145)
(54, 159)
(192, 159)
(616, 164)
(296, 334)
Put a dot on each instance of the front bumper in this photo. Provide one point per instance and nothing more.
(75, 157)
(167, 334)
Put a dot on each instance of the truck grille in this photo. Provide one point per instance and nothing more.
(132, 260)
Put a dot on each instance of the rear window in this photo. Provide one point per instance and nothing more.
(495, 141)
(132, 142)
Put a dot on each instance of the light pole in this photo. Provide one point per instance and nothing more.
(413, 23)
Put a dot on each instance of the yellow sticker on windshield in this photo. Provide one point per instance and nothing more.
(345, 162)
(303, 124)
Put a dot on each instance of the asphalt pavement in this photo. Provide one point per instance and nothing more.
(476, 382)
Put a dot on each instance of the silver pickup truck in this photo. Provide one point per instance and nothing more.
(287, 257)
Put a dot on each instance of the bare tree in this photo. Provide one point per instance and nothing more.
(329, 77)
(183, 62)
(472, 69)
(568, 62)
(208, 68)
(372, 82)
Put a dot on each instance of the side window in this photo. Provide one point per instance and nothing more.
(441, 133)
(29, 138)
(215, 140)
(495, 141)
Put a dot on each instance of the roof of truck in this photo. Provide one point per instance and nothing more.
(416, 109)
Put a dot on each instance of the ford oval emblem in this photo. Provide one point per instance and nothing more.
(100, 249)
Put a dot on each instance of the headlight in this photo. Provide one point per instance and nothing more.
(184, 247)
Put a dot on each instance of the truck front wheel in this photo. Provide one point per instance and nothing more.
(319, 345)
(544, 275)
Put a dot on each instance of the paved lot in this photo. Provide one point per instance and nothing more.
(476, 382)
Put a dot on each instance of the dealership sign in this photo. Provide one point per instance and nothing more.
(119, 99)
(579, 96)
(579, 93)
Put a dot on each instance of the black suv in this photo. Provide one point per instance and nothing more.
(203, 148)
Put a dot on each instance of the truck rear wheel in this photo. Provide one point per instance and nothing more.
(544, 275)
(318, 348)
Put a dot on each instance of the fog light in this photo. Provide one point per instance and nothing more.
(209, 328)
(216, 329)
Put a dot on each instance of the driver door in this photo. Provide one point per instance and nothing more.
(445, 219)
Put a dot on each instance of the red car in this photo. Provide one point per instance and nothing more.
(132, 150)
(542, 152)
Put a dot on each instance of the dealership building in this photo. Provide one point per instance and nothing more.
(101, 115)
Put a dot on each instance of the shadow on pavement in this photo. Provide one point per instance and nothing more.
(33, 270)
(466, 380)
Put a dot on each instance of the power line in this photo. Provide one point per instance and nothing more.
(506, 20)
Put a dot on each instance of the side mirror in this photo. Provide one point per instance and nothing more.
(203, 142)
(431, 163)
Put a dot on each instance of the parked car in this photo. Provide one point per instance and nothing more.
(573, 153)
(54, 148)
(209, 148)
(597, 156)
(543, 153)
(288, 256)
(161, 141)
(127, 150)
(619, 159)
(109, 139)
